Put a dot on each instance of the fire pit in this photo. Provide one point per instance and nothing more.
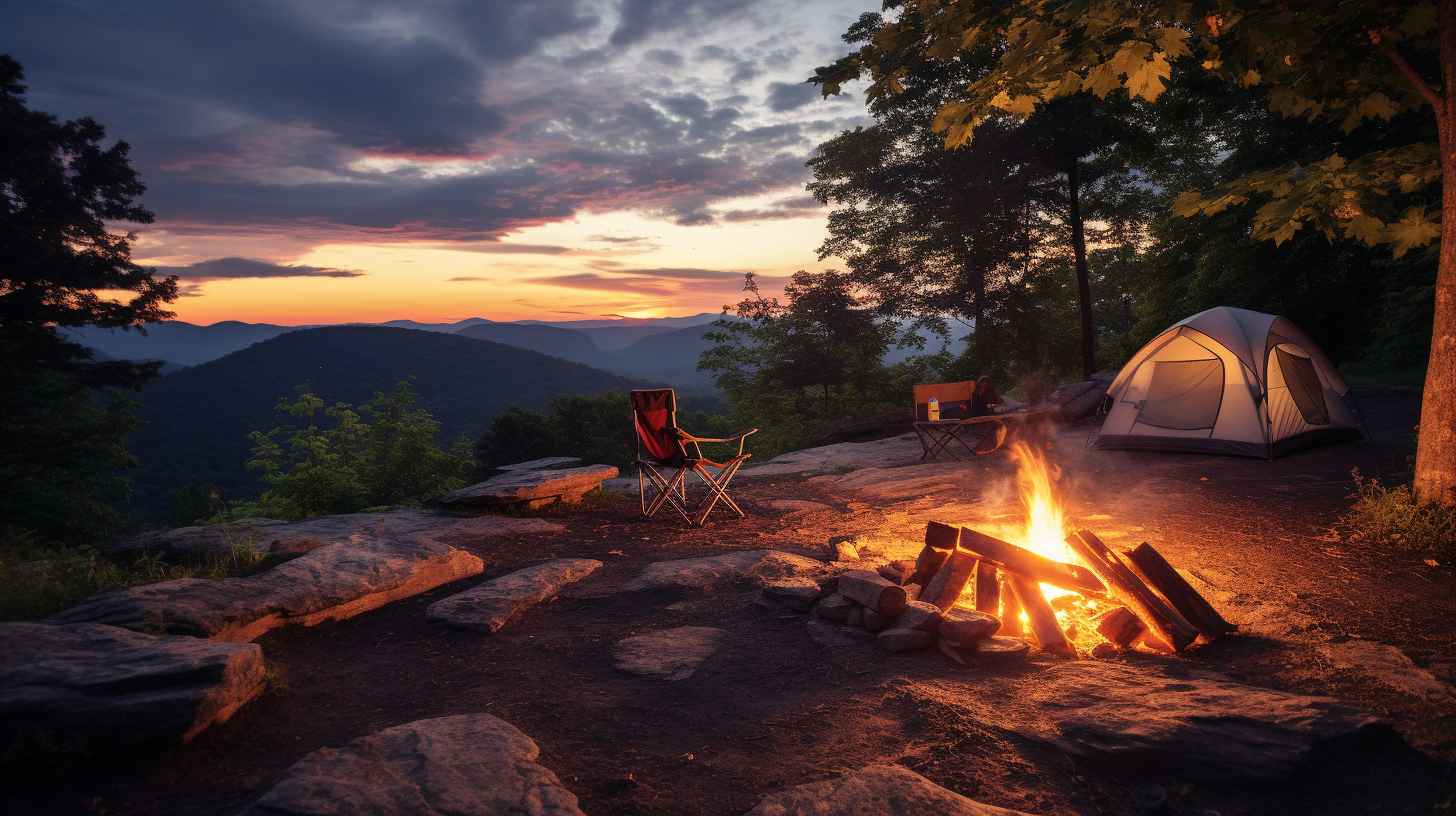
(1039, 583)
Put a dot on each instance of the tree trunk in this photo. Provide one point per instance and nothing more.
(1079, 258)
(982, 354)
(1435, 476)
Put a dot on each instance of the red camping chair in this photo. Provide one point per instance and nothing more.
(662, 444)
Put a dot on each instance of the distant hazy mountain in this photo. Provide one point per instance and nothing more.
(668, 322)
(568, 344)
(177, 342)
(667, 358)
(195, 421)
(434, 327)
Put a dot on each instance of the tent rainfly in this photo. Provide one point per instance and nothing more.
(1229, 381)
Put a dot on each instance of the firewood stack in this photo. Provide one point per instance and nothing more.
(977, 597)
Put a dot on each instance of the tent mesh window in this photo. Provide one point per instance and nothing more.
(1185, 395)
(1304, 387)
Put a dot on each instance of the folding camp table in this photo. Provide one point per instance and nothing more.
(952, 436)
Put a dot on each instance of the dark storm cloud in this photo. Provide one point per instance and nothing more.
(381, 81)
(787, 96)
(346, 119)
(642, 18)
(220, 268)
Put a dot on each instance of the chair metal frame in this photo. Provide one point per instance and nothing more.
(672, 490)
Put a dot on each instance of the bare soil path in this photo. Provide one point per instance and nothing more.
(775, 707)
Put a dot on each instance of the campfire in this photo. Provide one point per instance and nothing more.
(1001, 589)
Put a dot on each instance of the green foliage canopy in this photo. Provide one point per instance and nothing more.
(335, 459)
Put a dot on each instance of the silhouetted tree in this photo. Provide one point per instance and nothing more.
(66, 416)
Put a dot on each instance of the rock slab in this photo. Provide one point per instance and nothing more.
(873, 791)
(93, 687)
(531, 487)
(798, 594)
(273, 537)
(544, 463)
(1197, 724)
(708, 572)
(335, 582)
(464, 765)
(494, 604)
(669, 654)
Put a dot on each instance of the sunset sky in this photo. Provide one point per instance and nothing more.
(353, 160)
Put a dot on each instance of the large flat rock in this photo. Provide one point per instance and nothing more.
(273, 537)
(530, 487)
(901, 450)
(668, 654)
(874, 791)
(91, 687)
(335, 582)
(495, 603)
(709, 571)
(465, 765)
(1138, 718)
(544, 463)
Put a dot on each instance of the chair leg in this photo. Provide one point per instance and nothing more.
(667, 491)
(718, 489)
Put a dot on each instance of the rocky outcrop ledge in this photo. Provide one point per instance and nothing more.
(91, 687)
(334, 582)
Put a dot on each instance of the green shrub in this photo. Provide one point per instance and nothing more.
(339, 460)
(38, 579)
(1391, 515)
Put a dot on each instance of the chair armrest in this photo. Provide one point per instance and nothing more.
(687, 437)
(740, 438)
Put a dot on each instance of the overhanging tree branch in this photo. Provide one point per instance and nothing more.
(1408, 71)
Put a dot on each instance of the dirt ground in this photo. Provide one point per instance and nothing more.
(774, 707)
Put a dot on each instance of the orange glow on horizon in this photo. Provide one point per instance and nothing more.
(561, 271)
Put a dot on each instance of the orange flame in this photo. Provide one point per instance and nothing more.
(1045, 530)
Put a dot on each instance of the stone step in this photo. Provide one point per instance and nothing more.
(494, 604)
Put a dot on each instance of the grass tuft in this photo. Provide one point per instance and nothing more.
(38, 579)
(1390, 515)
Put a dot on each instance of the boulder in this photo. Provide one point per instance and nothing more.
(871, 791)
(963, 627)
(495, 603)
(335, 582)
(93, 687)
(875, 622)
(669, 654)
(533, 488)
(1002, 649)
(904, 640)
(273, 537)
(835, 607)
(712, 571)
(463, 765)
(1194, 724)
(798, 594)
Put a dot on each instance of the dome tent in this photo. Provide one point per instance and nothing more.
(1228, 381)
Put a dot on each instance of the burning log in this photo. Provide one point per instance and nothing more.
(1044, 625)
(1120, 626)
(988, 588)
(873, 592)
(1163, 621)
(1157, 573)
(1011, 624)
(948, 584)
(1028, 564)
(940, 542)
